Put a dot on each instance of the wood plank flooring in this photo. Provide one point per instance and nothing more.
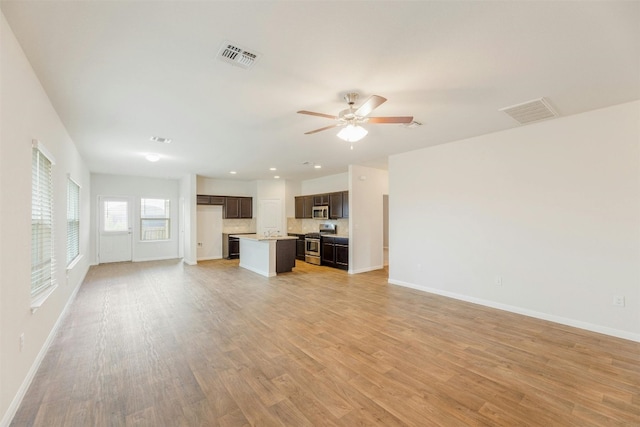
(165, 344)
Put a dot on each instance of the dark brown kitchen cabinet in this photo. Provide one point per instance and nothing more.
(321, 200)
(304, 206)
(342, 253)
(285, 255)
(328, 253)
(345, 204)
(335, 205)
(203, 199)
(300, 245)
(238, 207)
(335, 252)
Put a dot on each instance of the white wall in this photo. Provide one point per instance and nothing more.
(325, 184)
(188, 185)
(367, 186)
(292, 189)
(25, 114)
(225, 187)
(551, 209)
(137, 188)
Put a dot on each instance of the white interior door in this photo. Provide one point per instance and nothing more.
(209, 223)
(114, 233)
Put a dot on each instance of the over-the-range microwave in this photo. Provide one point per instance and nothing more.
(320, 212)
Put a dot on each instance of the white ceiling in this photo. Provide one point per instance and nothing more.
(120, 72)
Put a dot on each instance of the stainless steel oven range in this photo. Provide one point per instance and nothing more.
(312, 243)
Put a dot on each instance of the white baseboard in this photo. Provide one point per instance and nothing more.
(366, 269)
(524, 311)
(154, 259)
(17, 400)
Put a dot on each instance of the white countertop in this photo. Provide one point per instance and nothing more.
(261, 237)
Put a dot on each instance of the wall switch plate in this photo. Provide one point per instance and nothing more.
(618, 300)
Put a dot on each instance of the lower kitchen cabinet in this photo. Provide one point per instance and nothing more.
(335, 252)
(342, 253)
(285, 255)
(300, 245)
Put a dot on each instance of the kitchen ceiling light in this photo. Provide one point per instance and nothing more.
(272, 169)
(317, 166)
(232, 172)
(276, 177)
(152, 157)
(352, 133)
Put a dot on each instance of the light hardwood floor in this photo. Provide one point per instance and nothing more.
(165, 344)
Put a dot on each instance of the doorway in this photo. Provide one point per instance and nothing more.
(385, 228)
(114, 229)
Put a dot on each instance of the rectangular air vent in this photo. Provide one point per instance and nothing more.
(530, 111)
(236, 55)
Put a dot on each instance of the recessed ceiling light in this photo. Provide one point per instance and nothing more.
(161, 139)
(233, 172)
(277, 177)
(152, 157)
(317, 166)
(272, 169)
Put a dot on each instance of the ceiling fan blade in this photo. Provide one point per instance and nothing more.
(370, 104)
(311, 113)
(324, 128)
(407, 119)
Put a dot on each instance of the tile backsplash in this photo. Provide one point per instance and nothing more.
(298, 225)
(239, 225)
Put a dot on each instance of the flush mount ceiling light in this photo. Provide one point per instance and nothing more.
(352, 133)
(233, 172)
(318, 166)
(161, 139)
(152, 157)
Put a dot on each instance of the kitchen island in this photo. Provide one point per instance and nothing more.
(265, 255)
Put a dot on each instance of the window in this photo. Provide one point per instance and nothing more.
(116, 216)
(154, 219)
(42, 245)
(73, 221)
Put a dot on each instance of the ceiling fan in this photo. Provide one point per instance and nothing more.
(352, 118)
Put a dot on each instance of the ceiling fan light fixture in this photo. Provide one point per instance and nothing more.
(352, 133)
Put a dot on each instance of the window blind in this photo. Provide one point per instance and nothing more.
(42, 255)
(73, 220)
(154, 219)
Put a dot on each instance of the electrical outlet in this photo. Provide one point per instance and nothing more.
(618, 300)
(498, 280)
(21, 341)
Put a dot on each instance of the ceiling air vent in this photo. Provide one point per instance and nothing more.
(530, 111)
(236, 55)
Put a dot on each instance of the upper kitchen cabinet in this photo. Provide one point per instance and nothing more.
(238, 207)
(335, 205)
(304, 206)
(339, 205)
(210, 200)
(345, 204)
(321, 200)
